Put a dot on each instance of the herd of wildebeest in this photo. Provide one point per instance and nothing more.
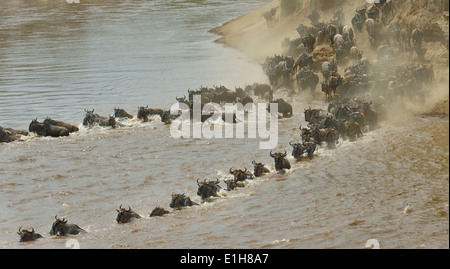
(350, 112)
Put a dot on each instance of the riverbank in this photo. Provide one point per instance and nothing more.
(250, 34)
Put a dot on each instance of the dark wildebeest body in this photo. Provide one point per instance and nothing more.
(280, 161)
(259, 169)
(158, 212)
(241, 175)
(61, 228)
(9, 135)
(180, 200)
(70, 127)
(46, 129)
(92, 119)
(145, 112)
(306, 78)
(26, 236)
(126, 215)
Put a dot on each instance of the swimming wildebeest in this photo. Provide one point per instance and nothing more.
(158, 211)
(71, 127)
(61, 228)
(240, 175)
(280, 161)
(91, 119)
(233, 183)
(180, 200)
(297, 150)
(121, 113)
(8, 135)
(126, 215)
(46, 129)
(207, 189)
(26, 235)
(259, 169)
(145, 112)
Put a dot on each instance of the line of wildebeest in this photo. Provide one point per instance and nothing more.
(350, 112)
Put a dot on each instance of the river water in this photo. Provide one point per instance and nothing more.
(59, 59)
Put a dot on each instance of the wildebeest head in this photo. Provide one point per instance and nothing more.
(26, 235)
(180, 200)
(259, 169)
(60, 227)
(207, 189)
(126, 215)
(280, 161)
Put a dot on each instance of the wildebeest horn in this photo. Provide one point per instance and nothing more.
(271, 155)
(245, 169)
(290, 142)
(197, 181)
(120, 206)
(129, 208)
(19, 232)
(285, 153)
(32, 230)
(231, 172)
(253, 162)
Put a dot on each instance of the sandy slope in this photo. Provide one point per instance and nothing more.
(250, 33)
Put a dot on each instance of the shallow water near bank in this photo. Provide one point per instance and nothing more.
(339, 199)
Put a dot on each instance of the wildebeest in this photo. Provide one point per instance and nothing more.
(145, 112)
(158, 211)
(26, 236)
(180, 200)
(372, 31)
(71, 127)
(310, 148)
(207, 189)
(240, 175)
(61, 228)
(121, 113)
(92, 119)
(405, 36)
(283, 107)
(259, 169)
(46, 129)
(355, 54)
(126, 215)
(280, 161)
(304, 60)
(232, 184)
(416, 38)
(306, 78)
(297, 150)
